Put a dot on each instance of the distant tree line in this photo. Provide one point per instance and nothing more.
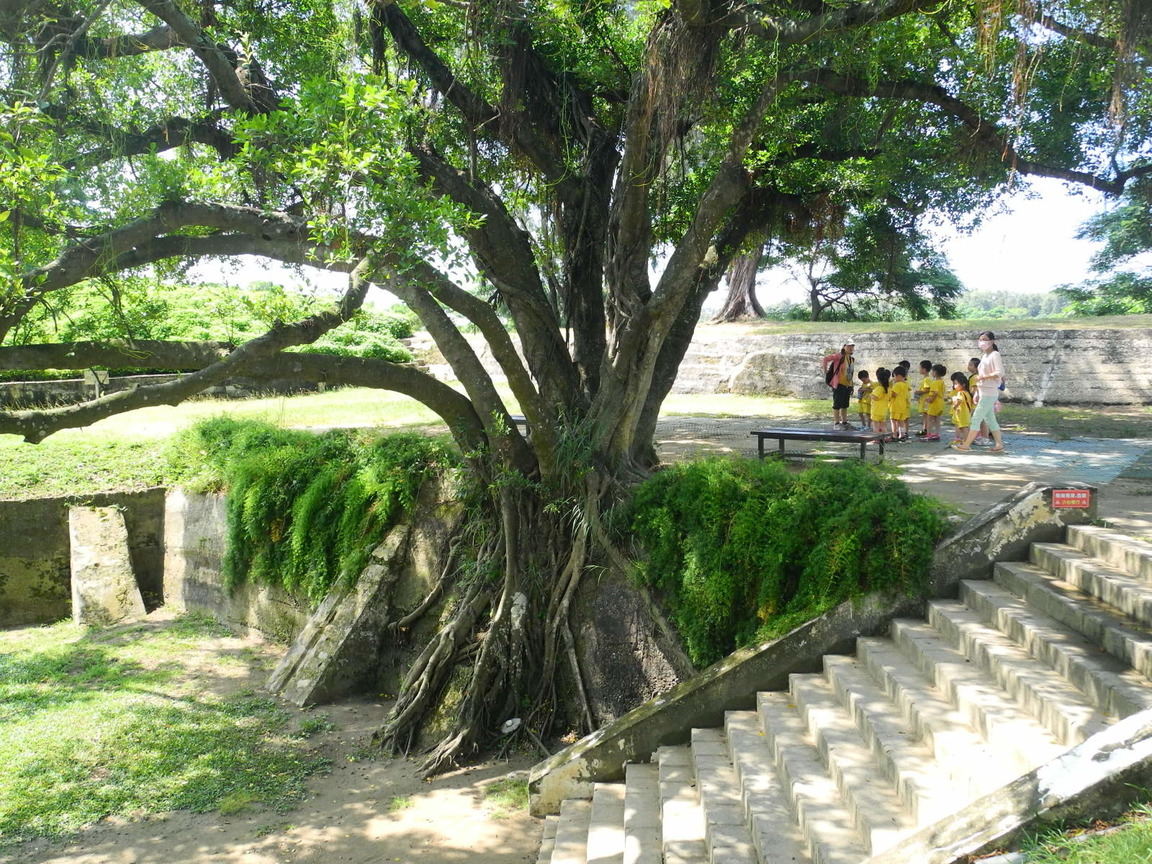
(968, 305)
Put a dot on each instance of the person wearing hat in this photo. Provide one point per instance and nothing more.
(839, 370)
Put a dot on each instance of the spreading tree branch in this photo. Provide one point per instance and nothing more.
(789, 31)
(483, 118)
(159, 38)
(172, 133)
(503, 252)
(1075, 33)
(145, 241)
(35, 426)
(984, 131)
(495, 416)
(116, 353)
(216, 59)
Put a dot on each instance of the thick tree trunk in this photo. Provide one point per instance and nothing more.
(741, 302)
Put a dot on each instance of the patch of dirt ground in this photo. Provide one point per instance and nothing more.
(365, 810)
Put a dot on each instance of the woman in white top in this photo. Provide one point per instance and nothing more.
(989, 376)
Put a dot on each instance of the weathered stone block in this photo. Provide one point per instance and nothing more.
(104, 589)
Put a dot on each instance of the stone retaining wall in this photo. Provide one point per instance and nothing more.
(176, 544)
(195, 540)
(1072, 367)
(69, 391)
(35, 553)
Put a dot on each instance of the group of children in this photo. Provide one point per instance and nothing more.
(885, 404)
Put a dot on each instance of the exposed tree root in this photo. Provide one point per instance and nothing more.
(515, 654)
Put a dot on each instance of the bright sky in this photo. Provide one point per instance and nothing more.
(1031, 249)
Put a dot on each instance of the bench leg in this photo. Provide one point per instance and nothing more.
(760, 446)
(781, 448)
(880, 453)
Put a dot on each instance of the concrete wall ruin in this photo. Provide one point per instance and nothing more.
(35, 553)
(176, 545)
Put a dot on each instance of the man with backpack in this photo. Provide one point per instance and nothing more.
(839, 370)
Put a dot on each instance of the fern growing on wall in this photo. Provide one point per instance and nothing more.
(305, 510)
(741, 550)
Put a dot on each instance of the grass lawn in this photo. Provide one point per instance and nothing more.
(104, 722)
(1127, 842)
(128, 451)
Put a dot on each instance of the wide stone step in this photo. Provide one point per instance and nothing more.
(877, 811)
(1103, 623)
(829, 832)
(642, 815)
(606, 824)
(924, 787)
(1014, 735)
(547, 840)
(774, 830)
(1131, 555)
(975, 767)
(571, 846)
(726, 832)
(681, 816)
(1065, 711)
(1114, 586)
(913, 728)
(1116, 688)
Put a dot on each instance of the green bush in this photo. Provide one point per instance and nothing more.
(305, 510)
(741, 551)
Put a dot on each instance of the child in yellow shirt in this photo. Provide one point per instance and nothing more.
(899, 404)
(934, 402)
(922, 395)
(880, 396)
(962, 405)
(864, 399)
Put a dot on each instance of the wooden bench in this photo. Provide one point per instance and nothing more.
(844, 436)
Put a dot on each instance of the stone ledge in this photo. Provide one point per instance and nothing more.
(1099, 778)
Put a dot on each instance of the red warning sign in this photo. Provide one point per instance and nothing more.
(1071, 499)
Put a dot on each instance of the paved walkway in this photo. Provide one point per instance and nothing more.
(1120, 468)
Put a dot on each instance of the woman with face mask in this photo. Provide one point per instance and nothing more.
(989, 376)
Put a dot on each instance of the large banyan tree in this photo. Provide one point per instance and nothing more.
(570, 180)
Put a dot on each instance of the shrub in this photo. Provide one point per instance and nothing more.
(741, 551)
(305, 510)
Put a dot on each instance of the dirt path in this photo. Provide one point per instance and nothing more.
(364, 811)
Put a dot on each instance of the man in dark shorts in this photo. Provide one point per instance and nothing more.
(839, 371)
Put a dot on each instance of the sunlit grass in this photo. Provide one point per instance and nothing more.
(1128, 842)
(95, 723)
(507, 796)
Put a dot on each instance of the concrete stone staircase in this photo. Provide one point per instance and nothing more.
(906, 732)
